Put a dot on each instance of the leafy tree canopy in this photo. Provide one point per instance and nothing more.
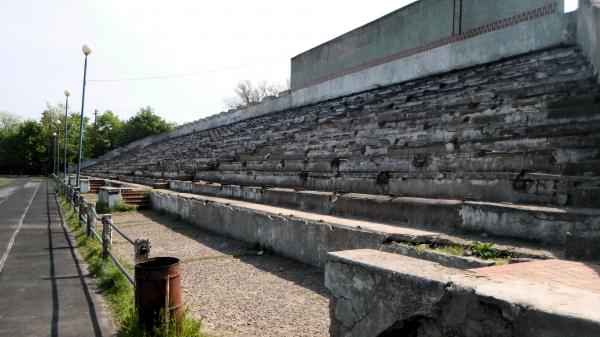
(144, 123)
(27, 147)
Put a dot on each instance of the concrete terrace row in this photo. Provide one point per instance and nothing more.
(520, 131)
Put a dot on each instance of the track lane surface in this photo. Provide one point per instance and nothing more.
(44, 287)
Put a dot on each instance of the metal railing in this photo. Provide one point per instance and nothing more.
(86, 214)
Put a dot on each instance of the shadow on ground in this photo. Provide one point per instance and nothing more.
(301, 274)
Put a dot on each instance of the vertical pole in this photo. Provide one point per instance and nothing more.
(90, 221)
(66, 136)
(54, 156)
(106, 235)
(58, 151)
(81, 124)
(82, 213)
(95, 134)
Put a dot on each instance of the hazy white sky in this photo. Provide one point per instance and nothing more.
(41, 49)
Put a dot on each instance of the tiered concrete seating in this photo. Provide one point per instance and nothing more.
(522, 131)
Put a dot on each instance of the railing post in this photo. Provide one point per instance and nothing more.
(76, 204)
(106, 235)
(90, 220)
(71, 197)
(141, 250)
(82, 212)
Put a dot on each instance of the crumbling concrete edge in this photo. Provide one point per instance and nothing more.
(376, 293)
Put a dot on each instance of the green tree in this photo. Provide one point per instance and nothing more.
(49, 124)
(9, 123)
(22, 146)
(27, 153)
(144, 123)
(104, 134)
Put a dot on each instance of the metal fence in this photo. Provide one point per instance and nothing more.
(87, 215)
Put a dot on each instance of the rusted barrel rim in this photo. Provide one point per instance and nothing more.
(160, 262)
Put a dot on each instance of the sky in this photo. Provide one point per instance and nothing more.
(220, 42)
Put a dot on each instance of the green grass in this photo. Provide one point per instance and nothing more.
(115, 287)
(485, 250)
(102, 208)
(453, 249)
(120, 206)
(482, 250)
(5, 181)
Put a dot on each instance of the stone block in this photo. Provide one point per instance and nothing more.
(109, 195)
(84, 185)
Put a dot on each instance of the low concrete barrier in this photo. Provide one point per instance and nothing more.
(302, 239)
(109, 195)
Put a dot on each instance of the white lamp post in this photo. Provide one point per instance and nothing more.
(86, 51)
(54, 148)
(67, 94)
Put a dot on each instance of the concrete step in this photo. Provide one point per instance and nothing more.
(307, 236)
(548, 225)
(528, 188)
(375, 293)
(526, 222)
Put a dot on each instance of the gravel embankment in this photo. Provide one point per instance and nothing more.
(233, 289)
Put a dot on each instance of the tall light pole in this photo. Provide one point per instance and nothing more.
(57, 169)
(67, 94)
(54, 163)
(86, 50)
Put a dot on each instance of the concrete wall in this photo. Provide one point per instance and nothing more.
(588, 31)
(415, 27)
(301, 239)
(405, 28)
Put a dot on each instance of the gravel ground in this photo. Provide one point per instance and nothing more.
(91, 197)
(233, 289)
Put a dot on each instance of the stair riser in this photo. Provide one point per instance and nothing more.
(493, 187)
(530, 224)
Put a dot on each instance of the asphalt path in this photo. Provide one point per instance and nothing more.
(44, 287)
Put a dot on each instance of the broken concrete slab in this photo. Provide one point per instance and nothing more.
(382, 294)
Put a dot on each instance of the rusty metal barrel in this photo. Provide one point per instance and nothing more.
(158, 291)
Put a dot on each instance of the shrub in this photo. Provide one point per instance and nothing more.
(122, 206)
(102, 208)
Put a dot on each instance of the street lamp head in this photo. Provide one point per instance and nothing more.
(58, 121)
(86, 49)
(67, 93)
(54, 134)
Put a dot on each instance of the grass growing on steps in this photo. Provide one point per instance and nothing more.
(120, 206)
(117, 290)
(482, 250)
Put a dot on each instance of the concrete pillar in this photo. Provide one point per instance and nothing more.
(109, 195)
(84, 185)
